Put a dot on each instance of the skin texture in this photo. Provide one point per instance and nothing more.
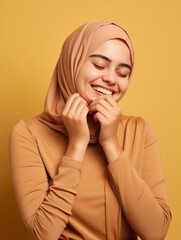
(108, 73)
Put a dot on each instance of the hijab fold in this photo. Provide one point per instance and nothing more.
(75, 51)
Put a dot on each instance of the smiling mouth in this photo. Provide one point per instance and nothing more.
(101, 91)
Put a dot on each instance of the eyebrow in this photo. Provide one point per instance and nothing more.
(109, 60)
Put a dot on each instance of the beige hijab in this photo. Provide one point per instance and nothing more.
(76, 49)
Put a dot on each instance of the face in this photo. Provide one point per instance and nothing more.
(106, 71)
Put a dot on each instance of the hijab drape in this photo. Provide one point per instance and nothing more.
(76, 49)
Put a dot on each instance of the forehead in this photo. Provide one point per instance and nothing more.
(114, 49)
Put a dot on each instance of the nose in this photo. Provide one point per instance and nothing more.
(110, 76)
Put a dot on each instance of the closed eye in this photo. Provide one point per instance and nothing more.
(121, 75)
(101, 68)
(97, 66)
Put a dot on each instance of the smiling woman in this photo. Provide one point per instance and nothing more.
(81, 169)
(109, 71)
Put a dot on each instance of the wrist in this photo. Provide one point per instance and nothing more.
(78, 144)
(76, 151)
(112, 150)
(109, 143)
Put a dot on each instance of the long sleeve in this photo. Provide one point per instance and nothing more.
(143, 199)
(44, 207)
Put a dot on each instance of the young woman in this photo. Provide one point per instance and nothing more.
(81, 169)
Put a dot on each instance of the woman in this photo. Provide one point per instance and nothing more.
(81, 169)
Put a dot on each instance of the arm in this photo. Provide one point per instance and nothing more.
(143, 199)
(44, 209)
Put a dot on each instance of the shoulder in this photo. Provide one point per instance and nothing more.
(136, 123)
(18, 128)
(22, 143)
(139, 124)
(22, 128)
(135, 120)
(132, 120)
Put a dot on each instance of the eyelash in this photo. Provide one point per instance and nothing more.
(101, 68)
(97, 66)
(121, 75)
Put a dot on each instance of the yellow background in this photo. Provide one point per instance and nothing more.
(32, 33)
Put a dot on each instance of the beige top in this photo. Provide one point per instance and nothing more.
(59, 197)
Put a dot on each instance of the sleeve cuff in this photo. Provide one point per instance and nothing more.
(70, 162)
(115, 162)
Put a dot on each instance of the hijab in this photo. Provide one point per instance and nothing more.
(75, 51)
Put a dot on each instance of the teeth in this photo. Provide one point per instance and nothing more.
(102, 90)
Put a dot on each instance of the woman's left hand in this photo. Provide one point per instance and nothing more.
(108, 113)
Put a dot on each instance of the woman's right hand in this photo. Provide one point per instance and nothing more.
(74, 116)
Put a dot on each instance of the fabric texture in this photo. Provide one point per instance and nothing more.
(76, 49)
(59, 197)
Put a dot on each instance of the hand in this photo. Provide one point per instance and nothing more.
(74, 116)
(108, 113)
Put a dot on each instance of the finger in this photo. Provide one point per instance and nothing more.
(72, 103)
(69, 102)
(74, 96)
(106, 110)
(101, 109)
(98, 117)
(103, 103)
(84, 112)
(81, 105)
(111, 101)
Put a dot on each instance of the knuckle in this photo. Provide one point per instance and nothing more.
(63, 115)
(76, 94)
(101, 100)
(73, 95)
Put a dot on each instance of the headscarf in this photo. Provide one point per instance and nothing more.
(75, 51)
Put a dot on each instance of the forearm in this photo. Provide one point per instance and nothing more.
(146, 210)
(44, 205)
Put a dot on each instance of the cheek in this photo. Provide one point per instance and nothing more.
(85, 77)
(123, 85)
(91, 75)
